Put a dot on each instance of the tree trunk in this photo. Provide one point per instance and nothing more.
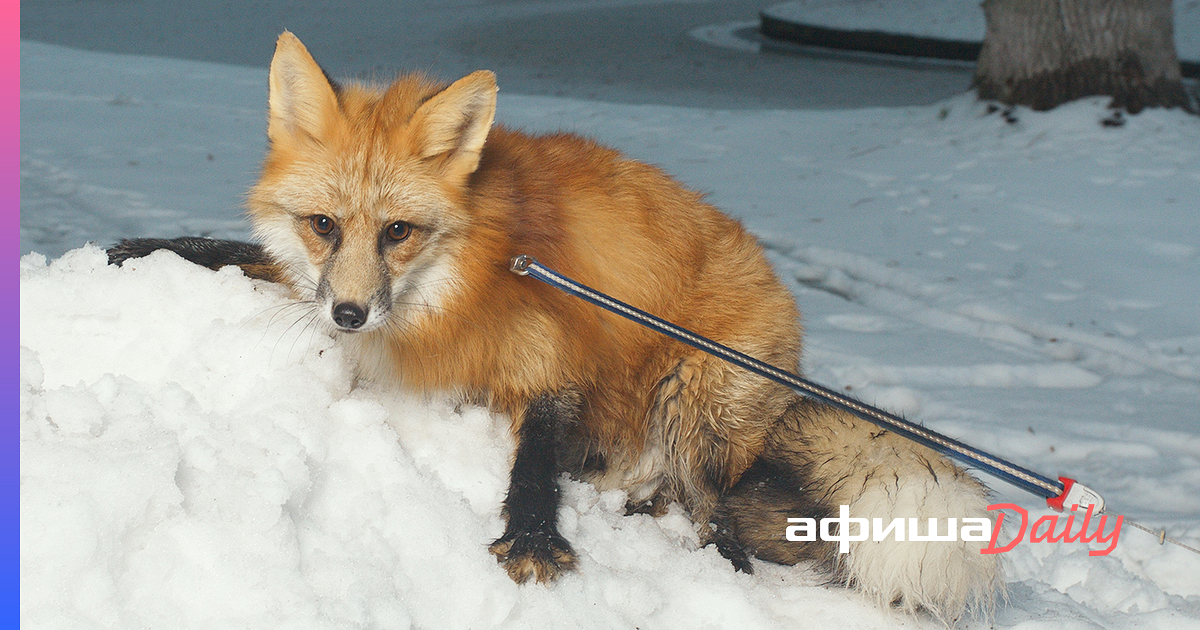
(1042, 53)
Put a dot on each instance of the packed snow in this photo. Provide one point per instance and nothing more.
(196, 453)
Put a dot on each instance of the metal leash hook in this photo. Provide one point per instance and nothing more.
(1058, 494)
(520, 264)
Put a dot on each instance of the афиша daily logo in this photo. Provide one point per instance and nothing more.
(1045, 529)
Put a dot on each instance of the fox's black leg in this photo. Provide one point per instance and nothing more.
(730, 546)
(208, 252)
(531, 545)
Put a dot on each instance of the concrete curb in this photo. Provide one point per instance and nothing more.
(781, 29)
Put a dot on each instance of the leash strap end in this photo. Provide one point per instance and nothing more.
(1075, 493)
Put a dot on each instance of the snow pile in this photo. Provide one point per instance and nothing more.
(196, 453)
(194, 457)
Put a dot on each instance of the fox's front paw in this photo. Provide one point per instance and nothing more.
(537, 554)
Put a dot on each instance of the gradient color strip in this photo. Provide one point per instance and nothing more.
(10, 242)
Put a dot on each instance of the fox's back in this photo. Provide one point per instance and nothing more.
(622, 226)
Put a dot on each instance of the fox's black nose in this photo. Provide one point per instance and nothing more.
(349, 316)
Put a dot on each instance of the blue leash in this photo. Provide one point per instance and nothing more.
(1062, 494)
(1057, 493)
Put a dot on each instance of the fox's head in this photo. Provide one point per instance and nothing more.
(360, 194)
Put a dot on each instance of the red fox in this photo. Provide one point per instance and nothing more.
(394, 212)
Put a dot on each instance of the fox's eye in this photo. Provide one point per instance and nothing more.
(321, 224)
(399, 231)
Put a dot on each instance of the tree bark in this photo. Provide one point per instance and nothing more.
(1042, 53)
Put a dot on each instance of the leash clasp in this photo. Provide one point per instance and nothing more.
(520, 264)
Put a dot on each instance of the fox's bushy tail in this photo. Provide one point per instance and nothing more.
(818, 458)
(208, 252)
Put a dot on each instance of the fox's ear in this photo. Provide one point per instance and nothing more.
(301, 100)
(451, 127)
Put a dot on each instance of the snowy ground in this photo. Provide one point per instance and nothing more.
(194, 457)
